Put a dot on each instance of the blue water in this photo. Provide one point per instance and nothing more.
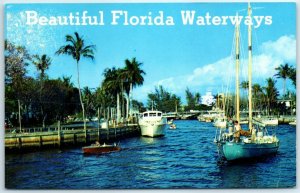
(184, 158)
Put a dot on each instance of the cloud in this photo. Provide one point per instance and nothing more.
(220, 75)
(283, 48)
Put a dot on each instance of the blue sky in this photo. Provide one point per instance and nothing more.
(177, 57)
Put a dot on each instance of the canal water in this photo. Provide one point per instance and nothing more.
(184, 158)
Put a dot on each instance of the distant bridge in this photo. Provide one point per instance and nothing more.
(183, 115)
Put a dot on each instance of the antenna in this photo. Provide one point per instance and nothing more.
(152, 105)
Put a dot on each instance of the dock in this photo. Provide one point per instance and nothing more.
(30, 139)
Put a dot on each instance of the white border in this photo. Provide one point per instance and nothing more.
(2, 171)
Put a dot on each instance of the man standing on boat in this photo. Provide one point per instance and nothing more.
(237, 131)
(229, 125)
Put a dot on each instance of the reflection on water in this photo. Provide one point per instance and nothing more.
(183, 158)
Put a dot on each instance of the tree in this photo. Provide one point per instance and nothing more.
(197, 98)
(163, 100)
(133, 77)
(41, 63)
(139, 106)
(283, 72)
(292, 75)
(193, 100)
(244, 85)
(271, 94)
(190, 99)
(17, 58)
(244, 101)
(76, 48)
(257, 93)
(113, 84)
(88, 99)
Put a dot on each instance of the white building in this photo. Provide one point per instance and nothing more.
(208, 99)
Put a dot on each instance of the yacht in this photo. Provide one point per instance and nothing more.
(152, 124)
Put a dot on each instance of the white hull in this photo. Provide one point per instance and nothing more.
(270, 121)
(152, 124)
(293, 123)
(220, 124)
(244, 122)
(152, 130)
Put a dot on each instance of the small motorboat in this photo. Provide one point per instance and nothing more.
(100, 149)
(172, 126)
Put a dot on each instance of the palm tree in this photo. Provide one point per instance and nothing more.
(76, 48)
(134, 77)
(89, 102)
(197, 98)
(292, 75)
(271, 93)
(244, 85)
(257, 91)
(67, 81)
(42, 63)
(113, 83)
(283, 72)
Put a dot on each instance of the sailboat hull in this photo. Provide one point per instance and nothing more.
(237, 151)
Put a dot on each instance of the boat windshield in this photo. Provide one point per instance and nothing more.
(152, 114)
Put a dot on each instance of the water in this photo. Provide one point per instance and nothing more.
(184, 158)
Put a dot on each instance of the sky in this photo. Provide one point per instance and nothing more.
(178, 56)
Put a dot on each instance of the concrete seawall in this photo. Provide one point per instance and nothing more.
(57, 138)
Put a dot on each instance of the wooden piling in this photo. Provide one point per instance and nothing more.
(58, 133)
(41, 141)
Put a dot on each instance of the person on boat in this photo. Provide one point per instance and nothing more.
(97, 143)
(237, 129)
(253, 134)
(229, 125)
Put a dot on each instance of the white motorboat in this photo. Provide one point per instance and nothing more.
(268, 120)
(220, 122)
(293, 123)
(152, 124)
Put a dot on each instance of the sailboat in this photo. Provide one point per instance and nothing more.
(220, 119)
(260, 143)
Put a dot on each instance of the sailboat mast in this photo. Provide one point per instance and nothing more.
(237, 66)
(250, 66)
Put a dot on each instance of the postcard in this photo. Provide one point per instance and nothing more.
(156, 95)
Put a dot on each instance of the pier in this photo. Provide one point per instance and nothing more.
(63, 136)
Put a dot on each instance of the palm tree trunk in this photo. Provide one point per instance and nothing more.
(20, 123)
(118, 108)
(81, 102)
(130, 100)
(284, 87)
(127, 106)
(41, 104)
(123, 103)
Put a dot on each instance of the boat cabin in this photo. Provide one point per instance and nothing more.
(152, 114)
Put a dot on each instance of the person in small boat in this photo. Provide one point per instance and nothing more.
(97, 143)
